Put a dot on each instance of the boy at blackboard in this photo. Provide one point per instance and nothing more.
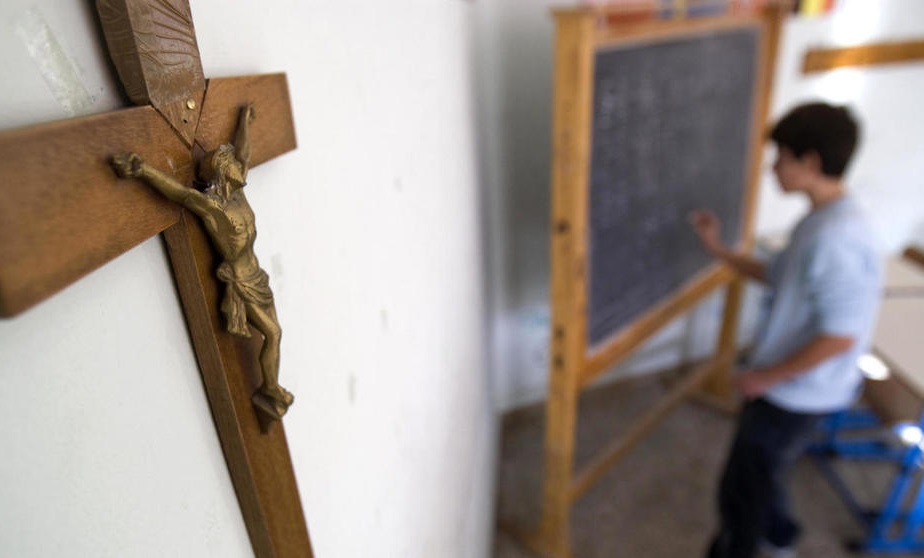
(822, 300)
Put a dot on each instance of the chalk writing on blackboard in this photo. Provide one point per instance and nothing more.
(672, 123)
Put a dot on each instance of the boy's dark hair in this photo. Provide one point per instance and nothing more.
(827, 130)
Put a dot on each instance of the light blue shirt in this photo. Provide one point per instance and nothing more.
(828, 280)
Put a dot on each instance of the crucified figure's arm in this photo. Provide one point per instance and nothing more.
(131, 165)
(242, 137)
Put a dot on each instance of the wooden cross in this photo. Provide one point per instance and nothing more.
(64, 213)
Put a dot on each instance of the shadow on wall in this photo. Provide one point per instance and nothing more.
(514, 77)
(525, 119)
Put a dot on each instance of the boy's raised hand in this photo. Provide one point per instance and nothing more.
(708, 228)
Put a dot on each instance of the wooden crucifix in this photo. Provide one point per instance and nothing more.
(64, 212)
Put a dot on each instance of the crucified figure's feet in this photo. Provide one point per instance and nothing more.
(274, 400)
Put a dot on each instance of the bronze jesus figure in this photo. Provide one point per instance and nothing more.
(229, 221)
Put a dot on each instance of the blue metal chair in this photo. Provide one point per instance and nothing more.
(858, 434)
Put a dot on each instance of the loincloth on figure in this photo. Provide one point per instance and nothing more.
(240, 291)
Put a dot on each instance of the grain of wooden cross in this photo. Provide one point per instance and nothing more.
(64, 213)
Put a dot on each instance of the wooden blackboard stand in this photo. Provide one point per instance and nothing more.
(573, 365)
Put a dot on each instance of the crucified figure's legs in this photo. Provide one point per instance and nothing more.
(264, 320)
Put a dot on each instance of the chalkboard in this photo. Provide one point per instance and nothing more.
(671, 132)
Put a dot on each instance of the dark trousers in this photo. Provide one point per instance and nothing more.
(753, 505)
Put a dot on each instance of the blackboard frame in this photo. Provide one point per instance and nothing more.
(580, 33)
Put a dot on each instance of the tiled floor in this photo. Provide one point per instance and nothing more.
(659, 501)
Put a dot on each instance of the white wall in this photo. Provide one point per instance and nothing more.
(371, 234)
(887, 176)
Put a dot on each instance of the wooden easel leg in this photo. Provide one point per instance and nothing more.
(553, 538)
(571, 130)
(717, 388)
